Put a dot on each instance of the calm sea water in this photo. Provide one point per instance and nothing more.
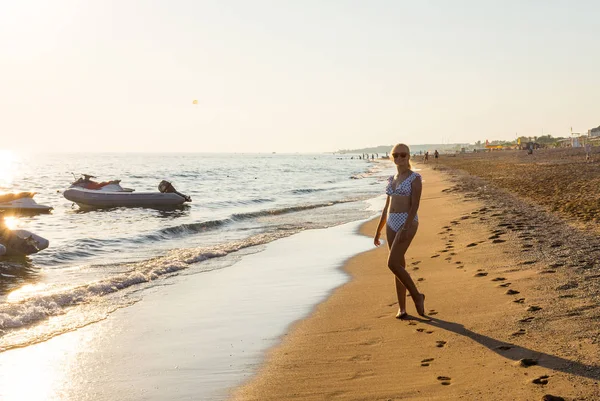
(101, 260)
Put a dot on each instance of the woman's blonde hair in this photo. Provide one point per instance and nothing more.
(407, 151)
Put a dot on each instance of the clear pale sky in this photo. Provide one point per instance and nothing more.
(292, 76)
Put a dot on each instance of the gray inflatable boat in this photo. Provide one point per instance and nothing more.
(104, 198)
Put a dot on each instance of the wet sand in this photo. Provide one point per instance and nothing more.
(190, 337)
(512, 301)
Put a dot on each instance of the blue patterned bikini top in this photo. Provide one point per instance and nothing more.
(405, 187)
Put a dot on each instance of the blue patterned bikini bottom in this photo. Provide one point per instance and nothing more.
(395, 221)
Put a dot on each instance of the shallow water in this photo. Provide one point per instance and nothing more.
(101, 260)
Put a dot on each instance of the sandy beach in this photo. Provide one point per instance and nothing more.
(512, 305)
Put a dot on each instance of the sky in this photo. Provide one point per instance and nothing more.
(292, 76)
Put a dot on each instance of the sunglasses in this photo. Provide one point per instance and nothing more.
(401, 154)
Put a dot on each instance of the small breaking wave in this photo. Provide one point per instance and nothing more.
(36, 308)
(307, 191)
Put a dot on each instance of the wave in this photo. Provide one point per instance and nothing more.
(88, 247)
(307, 191)
(37, 308)
(241, 202)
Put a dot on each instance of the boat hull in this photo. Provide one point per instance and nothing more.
(22, 203)
(103, 199)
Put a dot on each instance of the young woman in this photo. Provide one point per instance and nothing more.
(400, 213)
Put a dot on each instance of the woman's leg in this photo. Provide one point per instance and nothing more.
(400, 288)
(397, 264)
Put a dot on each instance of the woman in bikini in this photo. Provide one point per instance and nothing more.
(400, 213)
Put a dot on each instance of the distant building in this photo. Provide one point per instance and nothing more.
(594, 131)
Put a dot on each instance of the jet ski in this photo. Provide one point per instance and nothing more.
(90, 194)
(20, 242)
(21, 203)
(86, 182)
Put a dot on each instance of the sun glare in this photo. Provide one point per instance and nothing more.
(8, 161)
(11, 222)
(27, 291)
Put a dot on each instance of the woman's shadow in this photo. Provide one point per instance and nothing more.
(516, 353)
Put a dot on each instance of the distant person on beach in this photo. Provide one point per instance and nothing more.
(436, 155)
(426, 157)
(400, 214)
(588, 152)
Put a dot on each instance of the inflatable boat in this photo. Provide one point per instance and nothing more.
(111, 194)
(21, 203)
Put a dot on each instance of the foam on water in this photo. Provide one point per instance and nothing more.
(102, 260)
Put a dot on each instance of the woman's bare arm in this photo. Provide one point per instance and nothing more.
(382, 222)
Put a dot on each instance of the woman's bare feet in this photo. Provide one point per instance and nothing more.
(401, 314)
(420, 304)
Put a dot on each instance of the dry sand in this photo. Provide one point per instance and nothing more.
(496, 294)
(560, 180)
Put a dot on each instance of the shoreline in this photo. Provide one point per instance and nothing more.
(195, 335)
(489, 306)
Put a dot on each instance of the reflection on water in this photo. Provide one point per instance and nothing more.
(16, 271)
(8, 161)
(163, 211)
(42, 372)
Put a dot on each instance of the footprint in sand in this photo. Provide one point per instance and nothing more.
(432, 312)
(449, 258)
(420, 329)
(519, 332)
(472, 244)
(445, 380)
(415, 268)
(498, 241)
(512, 292)
(534, 308)
(425, 362)
(498, 279)
(420, 279)
(429, 331)
(547, 271)
(541, 380)
(416, 263)
(440, 343)
(504, 285)
(504, 347)
(481, 274)
(452, 254)
(435, 256)
(527, 362)
(550, 397)
(519, 300)
(412, 323)
(527, 319)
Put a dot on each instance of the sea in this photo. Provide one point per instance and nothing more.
(102, 260)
